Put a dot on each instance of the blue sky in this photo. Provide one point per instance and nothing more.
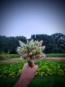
(27, 18)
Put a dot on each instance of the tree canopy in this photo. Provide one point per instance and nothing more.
(54, 43)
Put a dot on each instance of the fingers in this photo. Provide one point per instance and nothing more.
(35, 68)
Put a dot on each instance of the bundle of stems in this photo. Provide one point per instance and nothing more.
(31, 50)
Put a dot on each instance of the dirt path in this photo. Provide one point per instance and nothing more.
(19, 59)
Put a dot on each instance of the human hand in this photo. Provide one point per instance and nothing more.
(26, 76)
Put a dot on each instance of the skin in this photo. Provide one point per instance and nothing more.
(26, 76)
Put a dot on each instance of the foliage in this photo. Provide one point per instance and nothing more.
(9, 44)
(54, 43)
(50, 68)
(11, 70)
(45, 68)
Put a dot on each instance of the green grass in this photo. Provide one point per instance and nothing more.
(55, 55)
(50, 81)
(9, 56)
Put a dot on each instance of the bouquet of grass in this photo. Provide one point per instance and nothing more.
(31, 50)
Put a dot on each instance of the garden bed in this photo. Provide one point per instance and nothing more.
(49, 74)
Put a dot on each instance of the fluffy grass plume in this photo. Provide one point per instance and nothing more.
(32, 49)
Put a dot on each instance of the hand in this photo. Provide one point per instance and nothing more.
(27, 75)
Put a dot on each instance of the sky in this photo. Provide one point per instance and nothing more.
(28, 17)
